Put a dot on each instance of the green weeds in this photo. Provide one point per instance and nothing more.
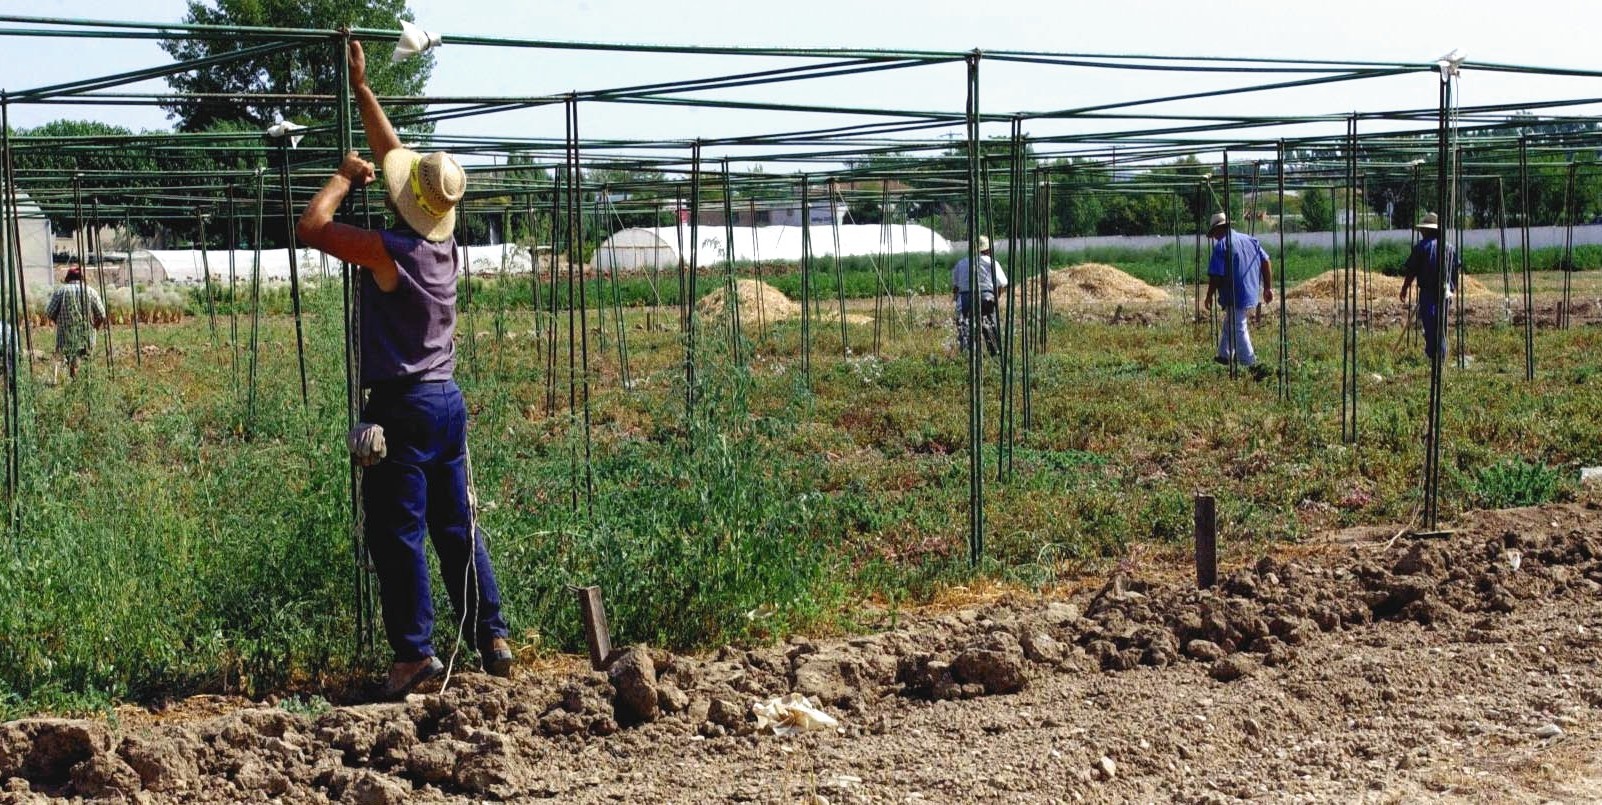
(172, 541)
(1514, 482)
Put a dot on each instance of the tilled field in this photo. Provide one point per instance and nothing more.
(1360, 669)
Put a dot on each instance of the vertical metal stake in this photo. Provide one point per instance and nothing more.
(1206, 542)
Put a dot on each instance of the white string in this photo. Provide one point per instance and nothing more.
(471, 571)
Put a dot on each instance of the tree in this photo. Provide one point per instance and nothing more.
(312, 69)
(1075, 207)
(1132, 213)
(128, 172)
(47, 158)
(1318, 211)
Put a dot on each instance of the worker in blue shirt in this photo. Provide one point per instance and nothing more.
(1249, 282)
(1424, 265)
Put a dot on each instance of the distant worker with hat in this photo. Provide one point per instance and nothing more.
(1424, 265)
(413, 435)
(992, 279)
(78, 312)
(1240, 276)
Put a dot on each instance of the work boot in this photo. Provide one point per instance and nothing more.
(496, 657)
(405, 676)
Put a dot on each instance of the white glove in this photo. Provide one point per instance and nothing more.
(366, 443)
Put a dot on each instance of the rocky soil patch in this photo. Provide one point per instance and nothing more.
(1465, 668)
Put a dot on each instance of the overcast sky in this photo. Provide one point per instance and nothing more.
(1549, 33)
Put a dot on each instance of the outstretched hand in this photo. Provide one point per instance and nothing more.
(357, 59)
(359, 171)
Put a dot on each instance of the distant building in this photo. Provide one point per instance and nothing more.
(773, 213)
(36, 242)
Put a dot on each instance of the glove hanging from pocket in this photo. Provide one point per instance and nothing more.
(366, 443)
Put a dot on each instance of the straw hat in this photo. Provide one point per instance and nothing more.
(984, 243)
(425, 190)
(1219, 219)
(1431, 221)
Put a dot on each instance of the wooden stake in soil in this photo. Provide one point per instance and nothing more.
(1206, 542)
(596, 633)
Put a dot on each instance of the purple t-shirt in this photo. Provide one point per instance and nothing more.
(408, 332)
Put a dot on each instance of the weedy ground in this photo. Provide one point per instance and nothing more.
(181, 527)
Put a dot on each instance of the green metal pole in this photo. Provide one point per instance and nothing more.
(976, 475)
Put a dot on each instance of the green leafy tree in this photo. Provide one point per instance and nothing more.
(1318, 211)
(312, 69)
(1076, 207)
(1136, 213)
(99, 154)
(132, 172)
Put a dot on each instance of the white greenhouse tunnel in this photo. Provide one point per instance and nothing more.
(639, 249)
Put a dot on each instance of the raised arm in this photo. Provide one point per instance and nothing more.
(381, 136)
(352, 244)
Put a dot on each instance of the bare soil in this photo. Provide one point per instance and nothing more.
(1360, 668)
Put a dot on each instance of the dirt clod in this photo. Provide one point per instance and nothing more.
(45, 750)
(996, 670)
(1203, 650)
(104, 775)
(1399, 669)
(1233, 667)
(633, 676)
(372, 788)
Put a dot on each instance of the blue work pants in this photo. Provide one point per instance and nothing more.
(1431, 317)
(420, 488)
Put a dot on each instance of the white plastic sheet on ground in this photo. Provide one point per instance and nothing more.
(791, 714)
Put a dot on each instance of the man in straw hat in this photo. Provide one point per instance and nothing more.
(417, 479)
(992, 279)
(1247, 281)
(1424, 265)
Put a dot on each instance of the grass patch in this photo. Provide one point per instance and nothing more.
(177, 536)
(1514, 482)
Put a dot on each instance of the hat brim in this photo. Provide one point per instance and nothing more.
(1430, 227)
(397, 184)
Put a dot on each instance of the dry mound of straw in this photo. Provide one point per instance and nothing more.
(1095, 282)
(758, 302)
(1328, 286)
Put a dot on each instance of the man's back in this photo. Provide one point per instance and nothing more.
(987, 275)
(76, 310)
(1424, 265)
(1247, 279)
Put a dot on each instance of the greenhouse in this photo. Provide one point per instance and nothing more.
(650, 249)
